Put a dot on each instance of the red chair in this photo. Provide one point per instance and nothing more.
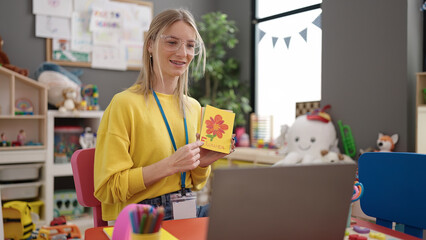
(82, 167)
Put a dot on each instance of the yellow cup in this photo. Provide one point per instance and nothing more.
(146, 236)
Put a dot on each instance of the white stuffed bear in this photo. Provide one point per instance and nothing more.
(306, 138)
(69, 103)
(334, 157)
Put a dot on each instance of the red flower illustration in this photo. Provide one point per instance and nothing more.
(215, 127)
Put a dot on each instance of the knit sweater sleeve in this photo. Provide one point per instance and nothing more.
(114, 178)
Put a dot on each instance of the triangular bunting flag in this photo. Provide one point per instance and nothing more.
(317, 21)
(287, 41)
(274, 41)
(261, 35)
(304, 34)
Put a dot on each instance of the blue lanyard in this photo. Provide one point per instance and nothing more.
(182, 175)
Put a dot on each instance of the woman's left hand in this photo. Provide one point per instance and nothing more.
(207, 157)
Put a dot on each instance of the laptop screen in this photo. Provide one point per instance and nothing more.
(286, 202)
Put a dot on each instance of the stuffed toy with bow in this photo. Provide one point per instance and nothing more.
(308, 136)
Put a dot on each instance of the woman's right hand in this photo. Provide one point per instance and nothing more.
(186, 157)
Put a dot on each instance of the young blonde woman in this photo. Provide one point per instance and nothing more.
(148, 149)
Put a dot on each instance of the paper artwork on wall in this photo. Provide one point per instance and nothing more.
(106, 19)
(133, 53)
(58, 8)
(106, 38)
(93, 33)
(53, 27)
(61, 50)
(81, 38)
(109, 58)
(86, 5)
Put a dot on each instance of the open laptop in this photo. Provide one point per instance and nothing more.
(286, 202)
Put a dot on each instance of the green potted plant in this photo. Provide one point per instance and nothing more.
(220, 85)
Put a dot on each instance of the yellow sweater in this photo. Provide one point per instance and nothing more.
(132, 134)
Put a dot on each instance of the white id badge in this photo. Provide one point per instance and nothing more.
(184, 206)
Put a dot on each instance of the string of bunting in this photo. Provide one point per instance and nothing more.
(303, 33)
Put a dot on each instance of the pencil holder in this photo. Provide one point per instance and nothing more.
(146, 236)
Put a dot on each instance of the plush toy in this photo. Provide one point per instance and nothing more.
(308, 135)
(4, 61)
(88, 138)
(280, 140)
(69, 103)
(386, 143)
(334, 157)
(58, 79)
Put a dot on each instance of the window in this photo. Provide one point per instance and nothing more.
(287, 57)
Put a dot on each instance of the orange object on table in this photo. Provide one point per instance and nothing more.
(196, 229)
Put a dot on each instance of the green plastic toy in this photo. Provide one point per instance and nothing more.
(347, 139)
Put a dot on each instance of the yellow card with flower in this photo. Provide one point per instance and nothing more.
(216, 129)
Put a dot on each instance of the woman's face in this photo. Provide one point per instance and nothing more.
(175, 50)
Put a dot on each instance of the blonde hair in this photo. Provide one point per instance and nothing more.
(158, 25)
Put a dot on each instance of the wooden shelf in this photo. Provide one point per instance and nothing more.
(21, 93)
(10, 117)
(54, 170)
(20, 148)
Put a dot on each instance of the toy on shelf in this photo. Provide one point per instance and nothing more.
(24, 106)
(66, 141)
(4, 142)
(57, 79)
(66, 203)
(22, 137)
(20, 141)
(307, 137)
(386, 143)
(347, 139)
(90, 97)
(88, 138)
(4, 61)
(69, 104)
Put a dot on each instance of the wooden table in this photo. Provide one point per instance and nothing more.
(255, 155)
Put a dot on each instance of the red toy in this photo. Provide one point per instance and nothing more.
(4, 61)
(61, 220)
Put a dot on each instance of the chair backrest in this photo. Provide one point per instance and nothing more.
(395, 189)
(82, 162)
